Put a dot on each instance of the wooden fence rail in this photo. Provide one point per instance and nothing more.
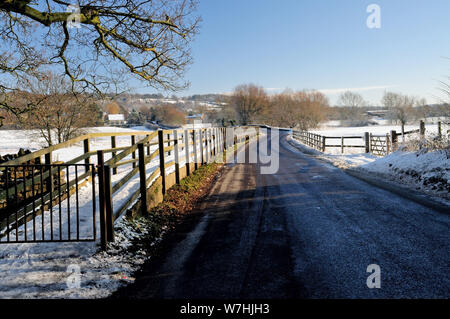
(379, 145)
(180, 153)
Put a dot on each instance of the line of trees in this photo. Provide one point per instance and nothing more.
(251, 104)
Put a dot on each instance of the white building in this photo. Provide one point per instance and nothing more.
(116, 119)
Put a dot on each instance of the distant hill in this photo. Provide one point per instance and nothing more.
(136, 101)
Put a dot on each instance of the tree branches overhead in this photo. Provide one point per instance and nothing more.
(97, 42)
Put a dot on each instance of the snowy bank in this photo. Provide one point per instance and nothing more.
(426, 171)
(70, 270)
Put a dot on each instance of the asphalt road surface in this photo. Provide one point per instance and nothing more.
(308, 231)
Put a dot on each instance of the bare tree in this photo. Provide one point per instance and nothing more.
(445, 87)
(401, 107)
(391, 100)
(248, 100)
(351, 111)
(281, 110)
(117, 40)
(351, 99)
(311, 108)
(303, 109)
(61, 115)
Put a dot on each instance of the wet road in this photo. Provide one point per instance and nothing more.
(308, 231)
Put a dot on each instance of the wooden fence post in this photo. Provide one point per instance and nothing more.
(211, 144)
(367, 142)
(370, 142)
(342, 144)
(142, 179)
(113, 154)
(439, 130)
(133, 155)
(323, 143)
(187, 152)
(215, 141)
(387, 143)
(224, 137)
(162, 162)
(109, 205)
(211, 141)
(101, 197)
(200, 132)
(422, 128)
(194, 142)
(87, 149)
(207, 145)
(224, 141)
(393, 140)
(219, 140)
(177, 158)
(148, 146)
(168, 143)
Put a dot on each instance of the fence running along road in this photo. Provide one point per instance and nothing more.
(379, 145)
(41, 202)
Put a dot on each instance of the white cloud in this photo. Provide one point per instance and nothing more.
(360, 89)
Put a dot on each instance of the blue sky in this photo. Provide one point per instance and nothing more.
(324, 45)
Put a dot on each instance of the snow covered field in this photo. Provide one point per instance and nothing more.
(12, 140)
(52, 270)
(330, 129)
(374, 129)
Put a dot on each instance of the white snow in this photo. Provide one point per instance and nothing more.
(374, 129)
(428, 171)
(69, 270)
(332, 129)
(45, 270)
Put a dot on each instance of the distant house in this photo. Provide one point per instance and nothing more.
(116, 119)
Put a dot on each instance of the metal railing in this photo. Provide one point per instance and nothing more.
(41, 203)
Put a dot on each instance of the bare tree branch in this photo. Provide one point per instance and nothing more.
(142, 39)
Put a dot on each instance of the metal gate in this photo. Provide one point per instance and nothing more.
(47, 203)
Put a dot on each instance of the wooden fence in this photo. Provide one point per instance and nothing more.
(379, 145)
(174, 153)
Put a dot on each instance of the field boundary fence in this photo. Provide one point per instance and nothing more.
(377, 144)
